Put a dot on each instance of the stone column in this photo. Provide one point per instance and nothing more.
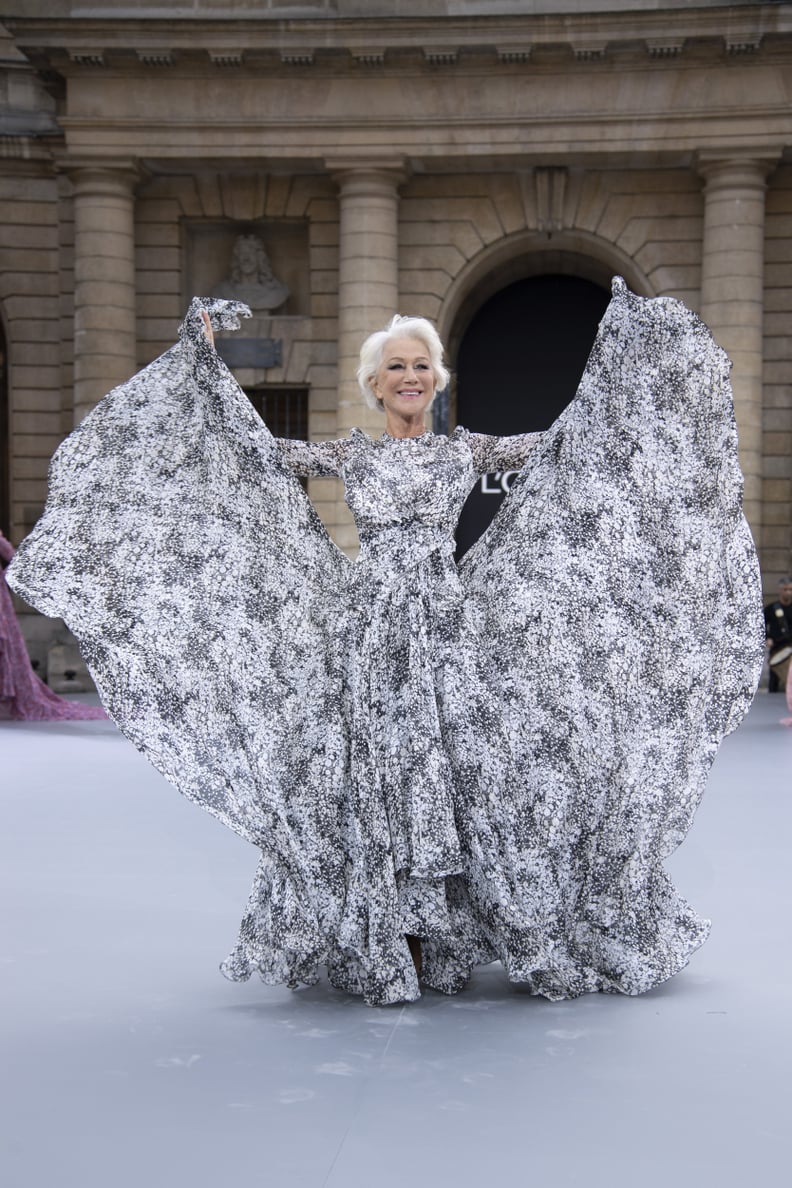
(368, 285)
(732, 295)
(104, 281)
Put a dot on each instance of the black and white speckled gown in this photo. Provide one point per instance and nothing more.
(496, 757)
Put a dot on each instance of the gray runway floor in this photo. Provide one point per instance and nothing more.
(129, 1062)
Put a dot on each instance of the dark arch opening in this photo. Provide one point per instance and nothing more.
(519, 364)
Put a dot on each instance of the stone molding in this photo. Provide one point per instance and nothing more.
(523, 254)
(74, 43)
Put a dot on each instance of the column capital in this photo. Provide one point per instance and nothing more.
(741, 167)
(102, 174)
(351, 171)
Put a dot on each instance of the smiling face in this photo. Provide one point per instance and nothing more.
(405, 381)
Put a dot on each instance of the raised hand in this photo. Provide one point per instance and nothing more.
(209, 332)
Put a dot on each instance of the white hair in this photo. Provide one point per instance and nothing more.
(373, 350)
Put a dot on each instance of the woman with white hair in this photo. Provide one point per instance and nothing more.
(396, 734)
(401, 370)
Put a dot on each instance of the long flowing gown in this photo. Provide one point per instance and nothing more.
(496, 756)
(23, 695)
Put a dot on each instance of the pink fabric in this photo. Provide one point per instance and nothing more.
(22, 695)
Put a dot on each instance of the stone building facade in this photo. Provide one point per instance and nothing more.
(413, 156)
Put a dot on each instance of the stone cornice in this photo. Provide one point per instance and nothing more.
(437, 43)
(662, 85)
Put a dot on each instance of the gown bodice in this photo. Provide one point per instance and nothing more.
(406, 494)
(415, 483)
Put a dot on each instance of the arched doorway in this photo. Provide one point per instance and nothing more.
(519, 363)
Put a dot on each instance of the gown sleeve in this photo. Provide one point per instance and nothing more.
(314, 459)
(618, 591)
(501, 453)
(186, 558)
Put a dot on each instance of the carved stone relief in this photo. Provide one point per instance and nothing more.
(250, 277)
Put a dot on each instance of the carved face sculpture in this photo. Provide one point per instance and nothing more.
(251, 278)
(249, 263)
(246, 258)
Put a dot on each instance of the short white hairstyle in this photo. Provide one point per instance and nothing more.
(373, 351)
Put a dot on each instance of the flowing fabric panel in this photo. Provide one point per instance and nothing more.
(619, 591)
(197, 577)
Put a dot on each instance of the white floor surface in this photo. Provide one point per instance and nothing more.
(129, 1062)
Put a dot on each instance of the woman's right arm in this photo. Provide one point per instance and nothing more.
(304, 459)
(307, 459)
(313, 459)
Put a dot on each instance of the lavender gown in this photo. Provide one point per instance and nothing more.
(23, 696)
(496, 756)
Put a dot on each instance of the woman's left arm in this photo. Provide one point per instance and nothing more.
(492, 453)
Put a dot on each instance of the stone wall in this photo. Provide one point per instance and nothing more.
(777, 411)
(30, 304)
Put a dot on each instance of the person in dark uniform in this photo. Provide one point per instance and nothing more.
(778, 629)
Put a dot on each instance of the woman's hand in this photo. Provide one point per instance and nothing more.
(208, 331)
